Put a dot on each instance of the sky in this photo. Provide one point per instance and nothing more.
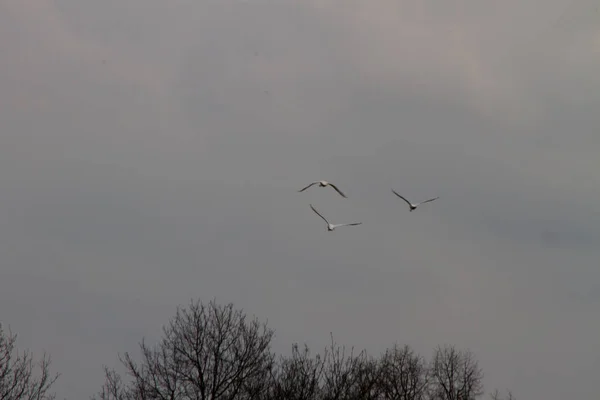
(151, 153)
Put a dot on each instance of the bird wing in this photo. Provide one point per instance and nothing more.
(337, 190)
(427, 201)
(408, 202)
(311, 206)
(352, 224)
(303, 189)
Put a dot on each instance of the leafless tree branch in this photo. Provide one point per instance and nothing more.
(207, 352)
(455, 375)
(18, 380)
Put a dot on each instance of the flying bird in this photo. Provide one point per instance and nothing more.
(324, 184)
(331, 227)
(411, 205)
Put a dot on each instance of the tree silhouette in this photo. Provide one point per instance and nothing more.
(348, 376)
(207, 352)
(297, 377)
(212, 352)
(455, 375)
(18, 380)
(404, 374)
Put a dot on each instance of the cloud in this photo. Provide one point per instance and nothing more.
(46, 48)
(437, 48)
(171, 171)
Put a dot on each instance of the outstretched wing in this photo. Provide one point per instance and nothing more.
(303, 189)
(407, 202)
(337, 190)
(352, 224)
(427, 201)
(316, 212)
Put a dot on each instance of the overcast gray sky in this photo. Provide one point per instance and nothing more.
(150, 152)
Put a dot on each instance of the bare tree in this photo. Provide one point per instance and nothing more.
(348, 376)
(495, 395)
(212, 352)
(297, 377)
(18, 380)
(333, 375)
(208, 352)
(366, 379)
(404, 374)
(114, 389)
(455, 375)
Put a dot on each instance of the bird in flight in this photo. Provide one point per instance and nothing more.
(324, 184)
(411, 205)
(331, 227)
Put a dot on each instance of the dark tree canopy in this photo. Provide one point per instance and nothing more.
(213, 352)
(18, 378)
(297, 377)
(207, 352)
(404, 374)
(455, 375)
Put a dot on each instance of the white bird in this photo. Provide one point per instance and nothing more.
(324, 184)
(331, 227)
(411, 205)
